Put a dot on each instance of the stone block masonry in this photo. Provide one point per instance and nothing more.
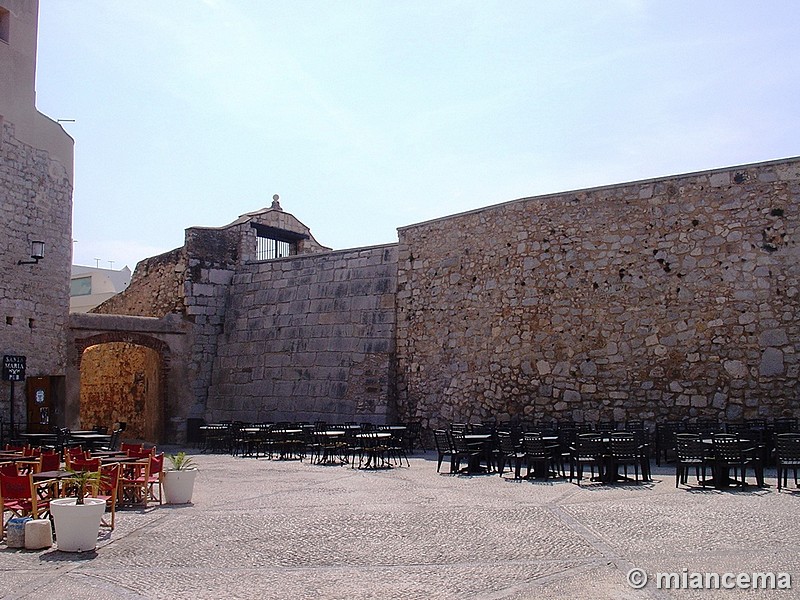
(669, 298)
(309, 337)
(36, 200)
(654, 300)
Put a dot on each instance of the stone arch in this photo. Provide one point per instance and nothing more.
(163, 353)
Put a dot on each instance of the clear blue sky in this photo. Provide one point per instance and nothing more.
(366, 116)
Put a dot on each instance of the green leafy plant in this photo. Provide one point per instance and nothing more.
(81, 481)
(180, 462)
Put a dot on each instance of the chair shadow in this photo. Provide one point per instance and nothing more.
(596, 486)
(750, 490)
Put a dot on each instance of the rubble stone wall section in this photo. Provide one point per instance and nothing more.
(309, 336)
(156, 288)
(660, 299)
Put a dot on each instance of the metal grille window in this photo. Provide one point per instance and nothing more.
(268, 248)
(272, 242)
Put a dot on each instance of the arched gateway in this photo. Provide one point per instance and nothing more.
(124, 369)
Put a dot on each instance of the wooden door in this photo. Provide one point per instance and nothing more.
(40, 393)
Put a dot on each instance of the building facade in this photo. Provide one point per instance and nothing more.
(36, 167)
(91, 286)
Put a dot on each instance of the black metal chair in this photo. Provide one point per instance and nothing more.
(785, 425)
(624, 450)
(665, 438)
(589, 451)
(444, 448)
(787, 456)
(414, 436)
(508, 451)
(536, 455)
(690, 452)
(730, 452)
(473, 454)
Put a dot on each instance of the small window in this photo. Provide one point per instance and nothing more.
(5, 24)
(268, 248)
(272, 242)
(80, 286)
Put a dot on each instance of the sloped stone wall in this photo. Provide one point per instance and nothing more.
(156, 288)
(668, 298)
(309, 337)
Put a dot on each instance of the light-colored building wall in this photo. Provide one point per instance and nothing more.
(18, 92)
(91, 286)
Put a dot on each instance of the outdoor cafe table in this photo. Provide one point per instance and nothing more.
(39, 438)
(57, 475)
(374, 448)
(57, 489)
(477, 441)
(107, 453)
(13, 457)
(288, 441)
(91, 438)
(721, 474)
(328, 456)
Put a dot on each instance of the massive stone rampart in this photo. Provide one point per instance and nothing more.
(309, 337)
(669, 298)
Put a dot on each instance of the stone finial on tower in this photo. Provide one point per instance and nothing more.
(275, 204)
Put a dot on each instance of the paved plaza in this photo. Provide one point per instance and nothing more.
(268, 529)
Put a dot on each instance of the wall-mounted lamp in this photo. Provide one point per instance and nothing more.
(37, 253)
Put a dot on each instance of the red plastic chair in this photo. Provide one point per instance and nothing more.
(107, 490)
(85, 464)
(155, 478)
(49, 462)
(128, 447)
(21, 497)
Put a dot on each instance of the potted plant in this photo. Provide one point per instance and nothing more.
(179, 478)
(77, 518)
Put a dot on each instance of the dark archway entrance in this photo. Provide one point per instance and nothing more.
(123, 379)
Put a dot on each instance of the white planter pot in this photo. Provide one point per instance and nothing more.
(178, 486)
(77, 525)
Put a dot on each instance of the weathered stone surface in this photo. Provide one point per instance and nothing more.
(667, 291)
(36, 196)
(771, 363)
(666, 299)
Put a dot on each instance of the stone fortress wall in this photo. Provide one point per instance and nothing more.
(662, 299)
(309, 337)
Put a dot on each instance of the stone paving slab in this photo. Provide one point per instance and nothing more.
(288, 529)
